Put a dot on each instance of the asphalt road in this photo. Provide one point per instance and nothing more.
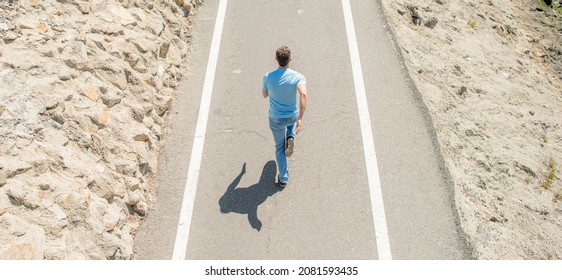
(325, 212)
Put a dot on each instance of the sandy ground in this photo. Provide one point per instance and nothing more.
(490, 73)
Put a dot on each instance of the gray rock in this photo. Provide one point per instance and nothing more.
(133, 197)
(111, 99)
(22, 58)
(462, 91)
(416, 18)
(142, 44)
(113, 216)
(164, 48)
(15, 225)
(140, 208)
(58, 117)
(140, 67)
(112, 245)
(96, 5)
(157, 28)
(23, 194)
(143, 137)
(431, 23)
(118, 79)
(3, 177)
(51, 104)
(164, 105)
(125, 17)
(59, 214)
(174, 56)
(10, 36)
(187, 7)
(84, 7)
(528, 170)
(469, 133)
(102, 188)
(132, 183)
(7, 26)
(14, 166)
(126, 167)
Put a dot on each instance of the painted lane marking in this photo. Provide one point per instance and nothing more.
(184, 223)
(379, 217)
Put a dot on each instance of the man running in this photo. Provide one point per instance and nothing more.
(285, 113)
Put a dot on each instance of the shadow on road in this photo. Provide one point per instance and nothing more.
(247, 200)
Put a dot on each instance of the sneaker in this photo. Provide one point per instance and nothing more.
(290, 146)
(281, 184)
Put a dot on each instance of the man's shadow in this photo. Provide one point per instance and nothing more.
(247, 200)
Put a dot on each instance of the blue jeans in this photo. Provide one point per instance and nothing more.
(281, 129)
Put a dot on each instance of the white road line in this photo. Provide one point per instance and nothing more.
(379, 217)
(182, 235)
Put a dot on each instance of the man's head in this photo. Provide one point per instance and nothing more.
(283, 56)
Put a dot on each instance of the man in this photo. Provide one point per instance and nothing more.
(285, 113)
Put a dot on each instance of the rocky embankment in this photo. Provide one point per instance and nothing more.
(84, 91)
(490, 73)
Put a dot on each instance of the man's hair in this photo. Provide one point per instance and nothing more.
(283, 56)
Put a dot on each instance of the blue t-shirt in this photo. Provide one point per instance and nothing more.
(281, 85)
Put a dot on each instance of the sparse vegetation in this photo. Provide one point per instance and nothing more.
(551, 174)
(555, 6)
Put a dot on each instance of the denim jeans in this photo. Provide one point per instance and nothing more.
(281, 129)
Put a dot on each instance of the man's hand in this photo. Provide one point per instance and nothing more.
(301, 88)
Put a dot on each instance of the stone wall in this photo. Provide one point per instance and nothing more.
(85, 87)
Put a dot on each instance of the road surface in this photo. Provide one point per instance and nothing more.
(331, 208)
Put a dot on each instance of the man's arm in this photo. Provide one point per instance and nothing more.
(264, 93)
(301, 88)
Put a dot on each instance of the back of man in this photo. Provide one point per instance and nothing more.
(285, 113)
(281, 85)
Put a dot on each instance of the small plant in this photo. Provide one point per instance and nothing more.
(551, 174)
(545, 5)
(472, 23)
(552, 256)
